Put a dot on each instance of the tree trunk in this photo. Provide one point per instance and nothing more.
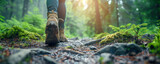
(25, 7)
(11, 13)
(117, 11)
(98, 27)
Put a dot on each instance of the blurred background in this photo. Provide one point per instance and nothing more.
(84, 18)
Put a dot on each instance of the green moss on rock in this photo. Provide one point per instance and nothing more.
(101, 35)
(21, 34)
(117, 37)
(69, 47)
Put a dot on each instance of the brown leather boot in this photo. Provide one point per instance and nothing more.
(52, 29)
(61, 31)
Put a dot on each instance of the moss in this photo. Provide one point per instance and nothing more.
(101, 60)
(101, 35)
(1, 47)
(154, 47)
(21, 34)
(117, 37)
(69, 47)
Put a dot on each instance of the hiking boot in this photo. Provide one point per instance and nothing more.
(61, 31)
(52, 29)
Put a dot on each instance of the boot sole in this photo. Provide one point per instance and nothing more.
(52, 35)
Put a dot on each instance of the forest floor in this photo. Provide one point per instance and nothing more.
(75, 51)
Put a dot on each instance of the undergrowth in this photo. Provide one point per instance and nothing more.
(21, 34)
(154, 47)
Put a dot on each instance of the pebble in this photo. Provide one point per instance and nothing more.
(152, 59)
(93, 48)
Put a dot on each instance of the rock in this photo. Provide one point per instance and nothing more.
(86, 39)
(107, 58)
(120, 49)
(133, 48)
(23, 53)
(148, 36)
(152, 60)
(72, 52)
(92, 48)
(107, 49)
(146, 57)
(93, 42)
(49, 60)
(121, 62)
(139, 58)
(158, 59)
(76, 38)
(39, 51)
(18, 57)
(132, 53)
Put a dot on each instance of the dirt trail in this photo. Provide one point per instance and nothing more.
(73, 52)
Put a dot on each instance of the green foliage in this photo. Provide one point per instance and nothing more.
(155, 45)
(138, 29)
(32, 24)
(28, 58)
(2, 18)
(21, 34)
(2, 4)
(101, 59)
(69, 47)
(133, 29)
(122, 28)
(32, 28)
(34, 19)
(68, 34)
(1, 47)
(117, 37)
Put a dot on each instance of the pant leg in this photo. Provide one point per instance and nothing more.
(52, 5)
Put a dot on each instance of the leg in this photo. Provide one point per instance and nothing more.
(52, 5)
(62, 15)
(52, 28)
(62, 9)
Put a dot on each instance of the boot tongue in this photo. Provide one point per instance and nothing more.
(52, 13)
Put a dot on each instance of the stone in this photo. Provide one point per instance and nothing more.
(146, 57)
(93, 42)
(92, 48)
(134, 48)
(76, 38)
(107, 49)
(139, 58)
(49, 60)
(148, 36)
(23, 53)
(107, 58)
(131, 53)
(120, 49)
(39, 51)
(152, 60)
(18, 57)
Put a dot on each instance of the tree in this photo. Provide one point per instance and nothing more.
(98, 26)
(117, 13)
(25, 7)
(12, 7)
